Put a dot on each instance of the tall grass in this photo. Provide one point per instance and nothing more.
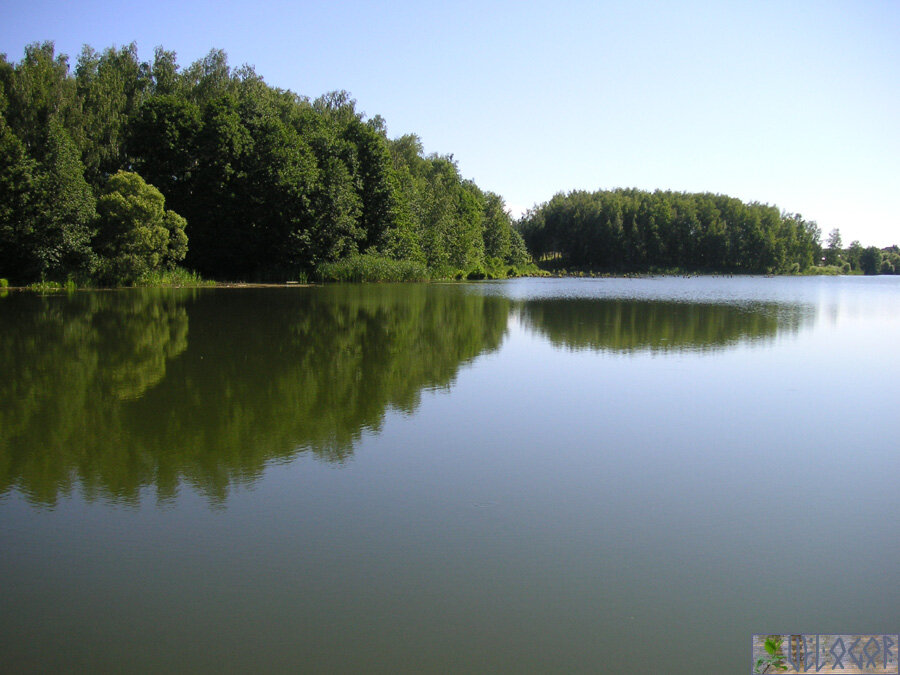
(175, 277)
(371, 267)
(53, 286)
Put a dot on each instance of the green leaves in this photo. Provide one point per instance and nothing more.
(46, 209)
(162, 139)
(870, 260)
(271, 185)
(774, 660)
(634, 230)
(111, 87)
(136, 234)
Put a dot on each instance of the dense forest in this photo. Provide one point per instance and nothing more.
(126, 168)
(632, 230)
(635, 230)
(629, 230)
(122, 170)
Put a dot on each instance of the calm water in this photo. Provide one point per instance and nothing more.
(524, 476)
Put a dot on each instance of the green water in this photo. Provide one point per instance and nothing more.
(524, 476)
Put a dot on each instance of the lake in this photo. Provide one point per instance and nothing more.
(535, 475)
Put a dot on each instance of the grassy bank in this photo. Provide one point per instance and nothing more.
(175, 278)
(368, 267)
(376, 268)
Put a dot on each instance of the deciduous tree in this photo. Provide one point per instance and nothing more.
(136, 234)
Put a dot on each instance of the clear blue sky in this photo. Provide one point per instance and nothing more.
(790, 103)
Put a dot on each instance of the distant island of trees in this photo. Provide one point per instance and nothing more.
(124, 170)
(629, 230)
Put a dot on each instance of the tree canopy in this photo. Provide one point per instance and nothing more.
(634, 230)
(136, 234)
(269, 184)
(272, 184)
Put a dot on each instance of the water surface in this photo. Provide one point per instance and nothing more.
(524, 476)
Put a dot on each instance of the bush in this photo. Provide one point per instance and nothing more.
(4, 283)
(824, 270)
(136, 235)
(476, 273)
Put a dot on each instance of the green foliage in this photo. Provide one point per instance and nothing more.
(854, 255)
(136, 235)
(892, 257)
(39, 90)
(455, 225)
(65, 215)
(476, 273)
(518, 253)
(4, 283)
(773, 658)
(68, 286)
(110, 88)
(497, 230)
(833, 251)
(630, 230)
(372, 267)
(46, 208)
(870, 260)
(16, 220)
(177, 277)
(826, 270)
(162, 138)
(274, 186)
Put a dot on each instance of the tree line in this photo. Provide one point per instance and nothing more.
(635, 230)
(630, 230)
(121, 169)
(871, 260)
(126, 167)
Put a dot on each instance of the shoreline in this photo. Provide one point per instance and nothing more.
(57, 288)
